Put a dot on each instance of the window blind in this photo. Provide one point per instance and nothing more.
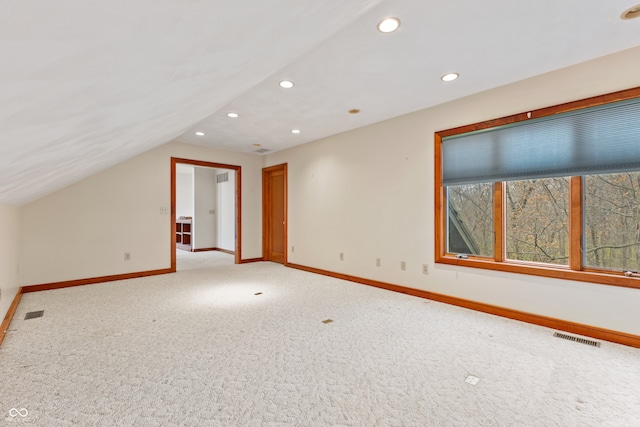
(602, 139)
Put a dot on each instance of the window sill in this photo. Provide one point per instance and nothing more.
(555, 272)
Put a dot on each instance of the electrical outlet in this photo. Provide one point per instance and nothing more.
(341, 256)
(378, 263)
(127, 256)
(164, 210)
(403, 265)
(425, 269)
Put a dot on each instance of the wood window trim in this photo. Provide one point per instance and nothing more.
(575, 270)
(575, 223)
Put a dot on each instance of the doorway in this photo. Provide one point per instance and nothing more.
(274, 213)
(180, 226)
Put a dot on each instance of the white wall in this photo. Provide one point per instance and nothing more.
(339, 201)
(184, 192)
(204, 222)
(83, 230)
(10, 225)
(226, 201)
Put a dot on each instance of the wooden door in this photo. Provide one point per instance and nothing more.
(274, 213)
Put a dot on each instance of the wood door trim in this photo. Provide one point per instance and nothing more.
(266, 209)
(238, 171)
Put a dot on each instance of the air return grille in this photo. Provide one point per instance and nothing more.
(577, 339)
(34, 314)
(222, 177)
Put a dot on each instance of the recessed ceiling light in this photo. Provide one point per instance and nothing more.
(388, 25)
(200, 133)
(287, 84)
(354, 111)
(450, 77)
(632, 12)
(232, 115)
(257, 145)
(296, 131)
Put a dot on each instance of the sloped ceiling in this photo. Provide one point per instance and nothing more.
(85, 85)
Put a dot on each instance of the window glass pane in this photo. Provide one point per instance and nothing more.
(612, 221)
(470, 219)
(537, 220)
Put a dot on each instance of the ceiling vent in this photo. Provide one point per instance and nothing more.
(261, 151)
(222, 177)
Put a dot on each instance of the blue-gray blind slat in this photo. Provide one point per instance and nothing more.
(602, 139)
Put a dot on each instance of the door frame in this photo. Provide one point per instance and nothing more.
(238, 171)
(266, 209)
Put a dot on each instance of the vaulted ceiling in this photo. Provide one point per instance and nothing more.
(85, 84)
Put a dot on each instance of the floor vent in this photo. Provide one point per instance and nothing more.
(34, 314)
(577, 339)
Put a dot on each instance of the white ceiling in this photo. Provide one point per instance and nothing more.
(85, 84)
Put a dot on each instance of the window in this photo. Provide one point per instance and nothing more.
(612, 221)
(553, 192)
(537, 220)
(470, 219)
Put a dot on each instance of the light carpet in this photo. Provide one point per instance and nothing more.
(200, 348)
